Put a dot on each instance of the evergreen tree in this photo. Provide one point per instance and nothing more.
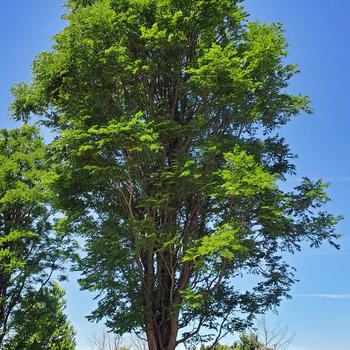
(32, 244)
(40, 322)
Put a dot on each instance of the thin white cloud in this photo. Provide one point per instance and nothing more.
(324, 179)
(335, 296)
(331, 252)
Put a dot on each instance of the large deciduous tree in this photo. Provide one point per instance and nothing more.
(31, 250)
(170, 162)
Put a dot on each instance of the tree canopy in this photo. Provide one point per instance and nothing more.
(170, 164)
(32, 244)
(40, 322)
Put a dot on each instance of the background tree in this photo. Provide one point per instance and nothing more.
(139, 343)
(30, 251)
(40, 322)
(169, 162)
(107, 341)
(247, 342)
(261, 338)
(276, 338)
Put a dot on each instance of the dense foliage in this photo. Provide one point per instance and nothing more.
(32, 244)
(169, 162)
(40, 322)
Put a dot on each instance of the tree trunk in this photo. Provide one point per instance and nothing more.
(162, 335)
(162, 297)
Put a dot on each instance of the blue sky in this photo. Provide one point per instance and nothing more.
(318, 32)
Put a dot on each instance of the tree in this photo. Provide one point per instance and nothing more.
(248, 342)
(30, 250)
(40, 323)
(262, 338)
(107, 341)
(277, 338)
(169, 162)
(245, 342)
(139, 343)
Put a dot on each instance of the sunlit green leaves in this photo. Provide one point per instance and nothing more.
(169, 162)
(223, 244)
(30, 249)
(243, 177)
